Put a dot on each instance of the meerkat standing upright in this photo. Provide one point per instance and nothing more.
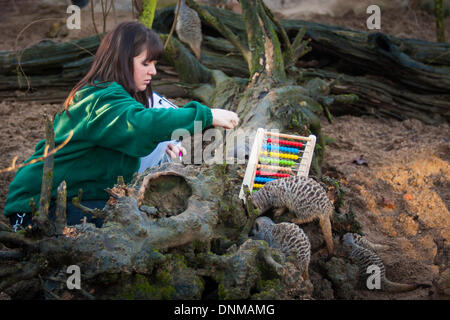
(302, 196)
(189, 28)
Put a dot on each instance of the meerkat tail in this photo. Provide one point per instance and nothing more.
(325, 224)
(376, 246)
(306, 273)
(279, 211)
(395, 287)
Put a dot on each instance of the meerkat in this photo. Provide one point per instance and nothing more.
(365, 243)
(303, 196)
(189, 28)
(361, 251)
(288, 237)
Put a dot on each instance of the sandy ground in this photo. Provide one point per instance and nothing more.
(401, 197)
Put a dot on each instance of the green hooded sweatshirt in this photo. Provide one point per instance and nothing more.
(111, 131)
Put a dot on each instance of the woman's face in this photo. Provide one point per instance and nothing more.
(143, 70)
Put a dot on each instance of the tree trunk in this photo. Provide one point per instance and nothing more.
(439, 12)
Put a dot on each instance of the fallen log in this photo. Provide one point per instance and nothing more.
(384, 98)
(418, 71)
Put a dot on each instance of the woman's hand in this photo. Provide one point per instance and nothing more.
(173, 151)
(224, 118)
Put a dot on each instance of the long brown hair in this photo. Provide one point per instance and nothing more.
(114, 60)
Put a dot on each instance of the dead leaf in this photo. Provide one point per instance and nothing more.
(387, 203)
(408, 196)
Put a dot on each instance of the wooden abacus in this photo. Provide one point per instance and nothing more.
(276, 156)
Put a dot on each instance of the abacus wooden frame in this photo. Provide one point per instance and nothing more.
(261, 133)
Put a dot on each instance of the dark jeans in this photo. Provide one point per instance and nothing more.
(73, 214)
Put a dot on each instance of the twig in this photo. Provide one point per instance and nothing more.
(14, 167)
(173, 24)
(96, 213)
(93, 21)
(114, 11)
(32, 206)
(19, 56)
(112, 193)
(47, 175)
(60, 213)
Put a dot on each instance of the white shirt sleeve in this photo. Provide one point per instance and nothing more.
(159, 155)
(161, 102)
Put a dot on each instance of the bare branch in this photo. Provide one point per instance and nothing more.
(173, 24)
(47, 176)
(93, 21)
(60, 213)
(96, 213)
(49, 154)
(19, 55)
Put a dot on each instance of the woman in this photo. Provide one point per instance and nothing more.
(113, 126)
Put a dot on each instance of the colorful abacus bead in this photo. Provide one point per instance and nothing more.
(277, 161)
(285, 142)
(283, 149)
(279, 155)
(272, 174)
(263, 180)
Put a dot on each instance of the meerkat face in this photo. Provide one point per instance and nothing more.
(261, 227)
(256, 231)
(348, 239)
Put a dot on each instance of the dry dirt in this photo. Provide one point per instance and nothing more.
(401, 197)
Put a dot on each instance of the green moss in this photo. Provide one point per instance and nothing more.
(148, 13)
(180, 260)
(222, 292)
(269, 289)
(164, 277)
(143, 290)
